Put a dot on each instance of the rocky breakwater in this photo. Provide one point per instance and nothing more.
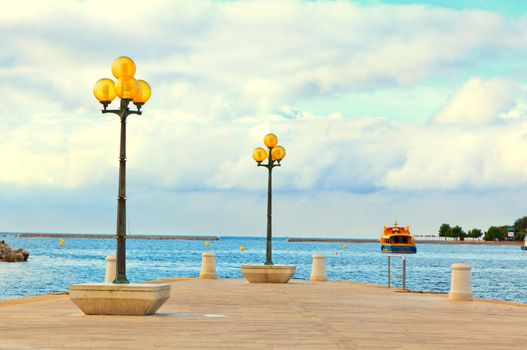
(7, 254)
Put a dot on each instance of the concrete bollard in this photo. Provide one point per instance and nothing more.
(208, 266)
(318, 268)
(461, 283)
(111, 269)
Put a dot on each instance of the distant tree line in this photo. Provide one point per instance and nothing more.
(493, 233)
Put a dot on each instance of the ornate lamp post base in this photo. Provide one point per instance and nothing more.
(268, 273)
(119, 299)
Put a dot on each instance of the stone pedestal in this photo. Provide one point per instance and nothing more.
(318, 268)
(268, 273)
(119, 299)
(461, 283)
(111, 269)
(208, 266)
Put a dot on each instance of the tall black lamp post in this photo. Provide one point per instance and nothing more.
(274, 154)
(128, 90)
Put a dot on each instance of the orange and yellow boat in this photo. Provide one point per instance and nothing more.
(397, 240)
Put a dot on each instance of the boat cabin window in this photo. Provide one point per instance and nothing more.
(399, 239)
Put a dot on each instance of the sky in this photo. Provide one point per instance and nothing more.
(414, 111)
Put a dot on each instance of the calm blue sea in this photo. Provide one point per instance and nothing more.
(499, 272)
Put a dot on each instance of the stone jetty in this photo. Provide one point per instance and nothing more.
(107, 236)
(8, 254)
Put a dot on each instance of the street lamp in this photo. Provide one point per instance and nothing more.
(274, 155)
(128, 90)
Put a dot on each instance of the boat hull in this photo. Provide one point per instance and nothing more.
(524, 247)
(398, 249)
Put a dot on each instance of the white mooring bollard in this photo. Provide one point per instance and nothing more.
(318, 268)
(461, 283)
(208, 266)
(111, 269)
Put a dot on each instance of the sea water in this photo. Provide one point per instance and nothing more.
(498, 272)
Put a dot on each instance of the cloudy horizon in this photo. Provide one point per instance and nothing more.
(413, 111)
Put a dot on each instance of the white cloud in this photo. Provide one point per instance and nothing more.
(257, 55)
(58, 154)
(480, 102)
(464, 159)
(324, 153)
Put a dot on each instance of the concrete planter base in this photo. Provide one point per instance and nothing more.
(268, 273)
(119, 299)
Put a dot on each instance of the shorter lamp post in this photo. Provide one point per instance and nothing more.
(128, 90)
(274, 155)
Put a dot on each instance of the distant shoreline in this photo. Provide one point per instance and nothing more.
(295, 240)
(471, 242)
(417, 242)
(97, 236)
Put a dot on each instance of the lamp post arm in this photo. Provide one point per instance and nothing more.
(264, 165)
(119, 112)
(270, 166)
(122, 112)
(114, 111)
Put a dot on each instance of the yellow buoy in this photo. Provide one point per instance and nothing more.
(344, 246)
(61, 243)
(206, 244)
(242, 248)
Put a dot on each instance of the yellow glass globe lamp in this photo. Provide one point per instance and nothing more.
(123, 67)
(143, 94)
(270, 140)
(104, 91)
(259, 155)
(278, 153)
(126, 88)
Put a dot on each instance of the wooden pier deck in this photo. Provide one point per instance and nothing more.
(233, 314)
